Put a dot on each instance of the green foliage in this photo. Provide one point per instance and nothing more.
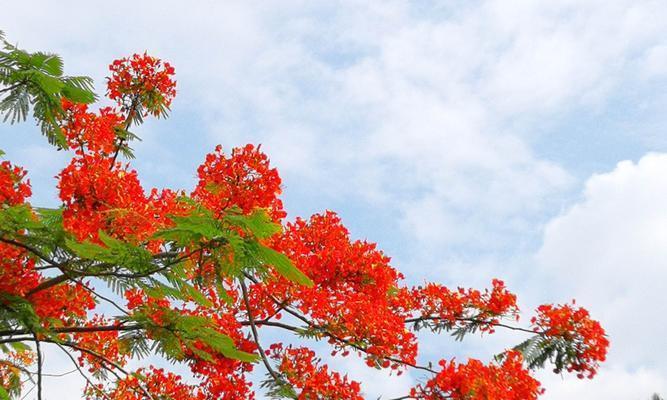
(282, 264)
(124, 265)
(17, 311)
(278, 389)
(540, 349)
(36, 80)
(177, 331)
(258, 223)
(113, 252)
(39, 229)
(233, 243)
(4, 395)
(455, 328)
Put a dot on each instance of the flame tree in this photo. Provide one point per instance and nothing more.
(119, 272)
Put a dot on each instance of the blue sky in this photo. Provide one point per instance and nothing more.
(471, 140)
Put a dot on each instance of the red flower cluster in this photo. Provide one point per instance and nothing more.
(575, 326)
(67, 302)
(14, 188)
(104, 343)
(221, 378)
(437, 303)
(89, 132)
(303, 371)
(153, 307)
(18, 277)
(142, 80)
(12, 367)
(155, 381)
(353, 288)
(17, 273)
(245, 180)
(99, 195)
(476, 381)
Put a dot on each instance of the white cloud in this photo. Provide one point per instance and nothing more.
(613, 383)
(390, 104)
(609, 251)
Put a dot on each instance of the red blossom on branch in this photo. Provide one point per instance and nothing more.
(304, 372)
(142, 80)
(244, 180)
(584, 336)
(476, 381)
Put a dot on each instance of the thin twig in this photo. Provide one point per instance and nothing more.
(82, 374)
(473, 320)
(128, 123)
(107, 361)
(39, 367)
(255, 335)
(108, 300)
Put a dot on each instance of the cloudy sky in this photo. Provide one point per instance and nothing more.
(524, 140)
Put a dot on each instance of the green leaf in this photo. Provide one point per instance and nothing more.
(19, 346)
(192, 228)
(3, 394)
(117, 252)
(259, 223)
(283, 265)
(48, 84)
(77, 95)
(52, 64)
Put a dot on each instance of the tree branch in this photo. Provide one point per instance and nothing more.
(75, 329)
(325, 332)
(128, 122)
(31, 250)
(108, 300)
(9, 88)
(473, 320)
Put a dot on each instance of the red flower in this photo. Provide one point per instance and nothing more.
(157, 382)
(476, 381)
(142, 80)
(104, 343)
(442, 306)
(313, 381)
(89, 132)
(244, 180)
(14, 188)
(574, 325)
(99, 195)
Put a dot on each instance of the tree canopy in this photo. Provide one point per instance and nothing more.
(119, 272)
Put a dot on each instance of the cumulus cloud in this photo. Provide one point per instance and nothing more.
(613, 383)
(609, 250)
